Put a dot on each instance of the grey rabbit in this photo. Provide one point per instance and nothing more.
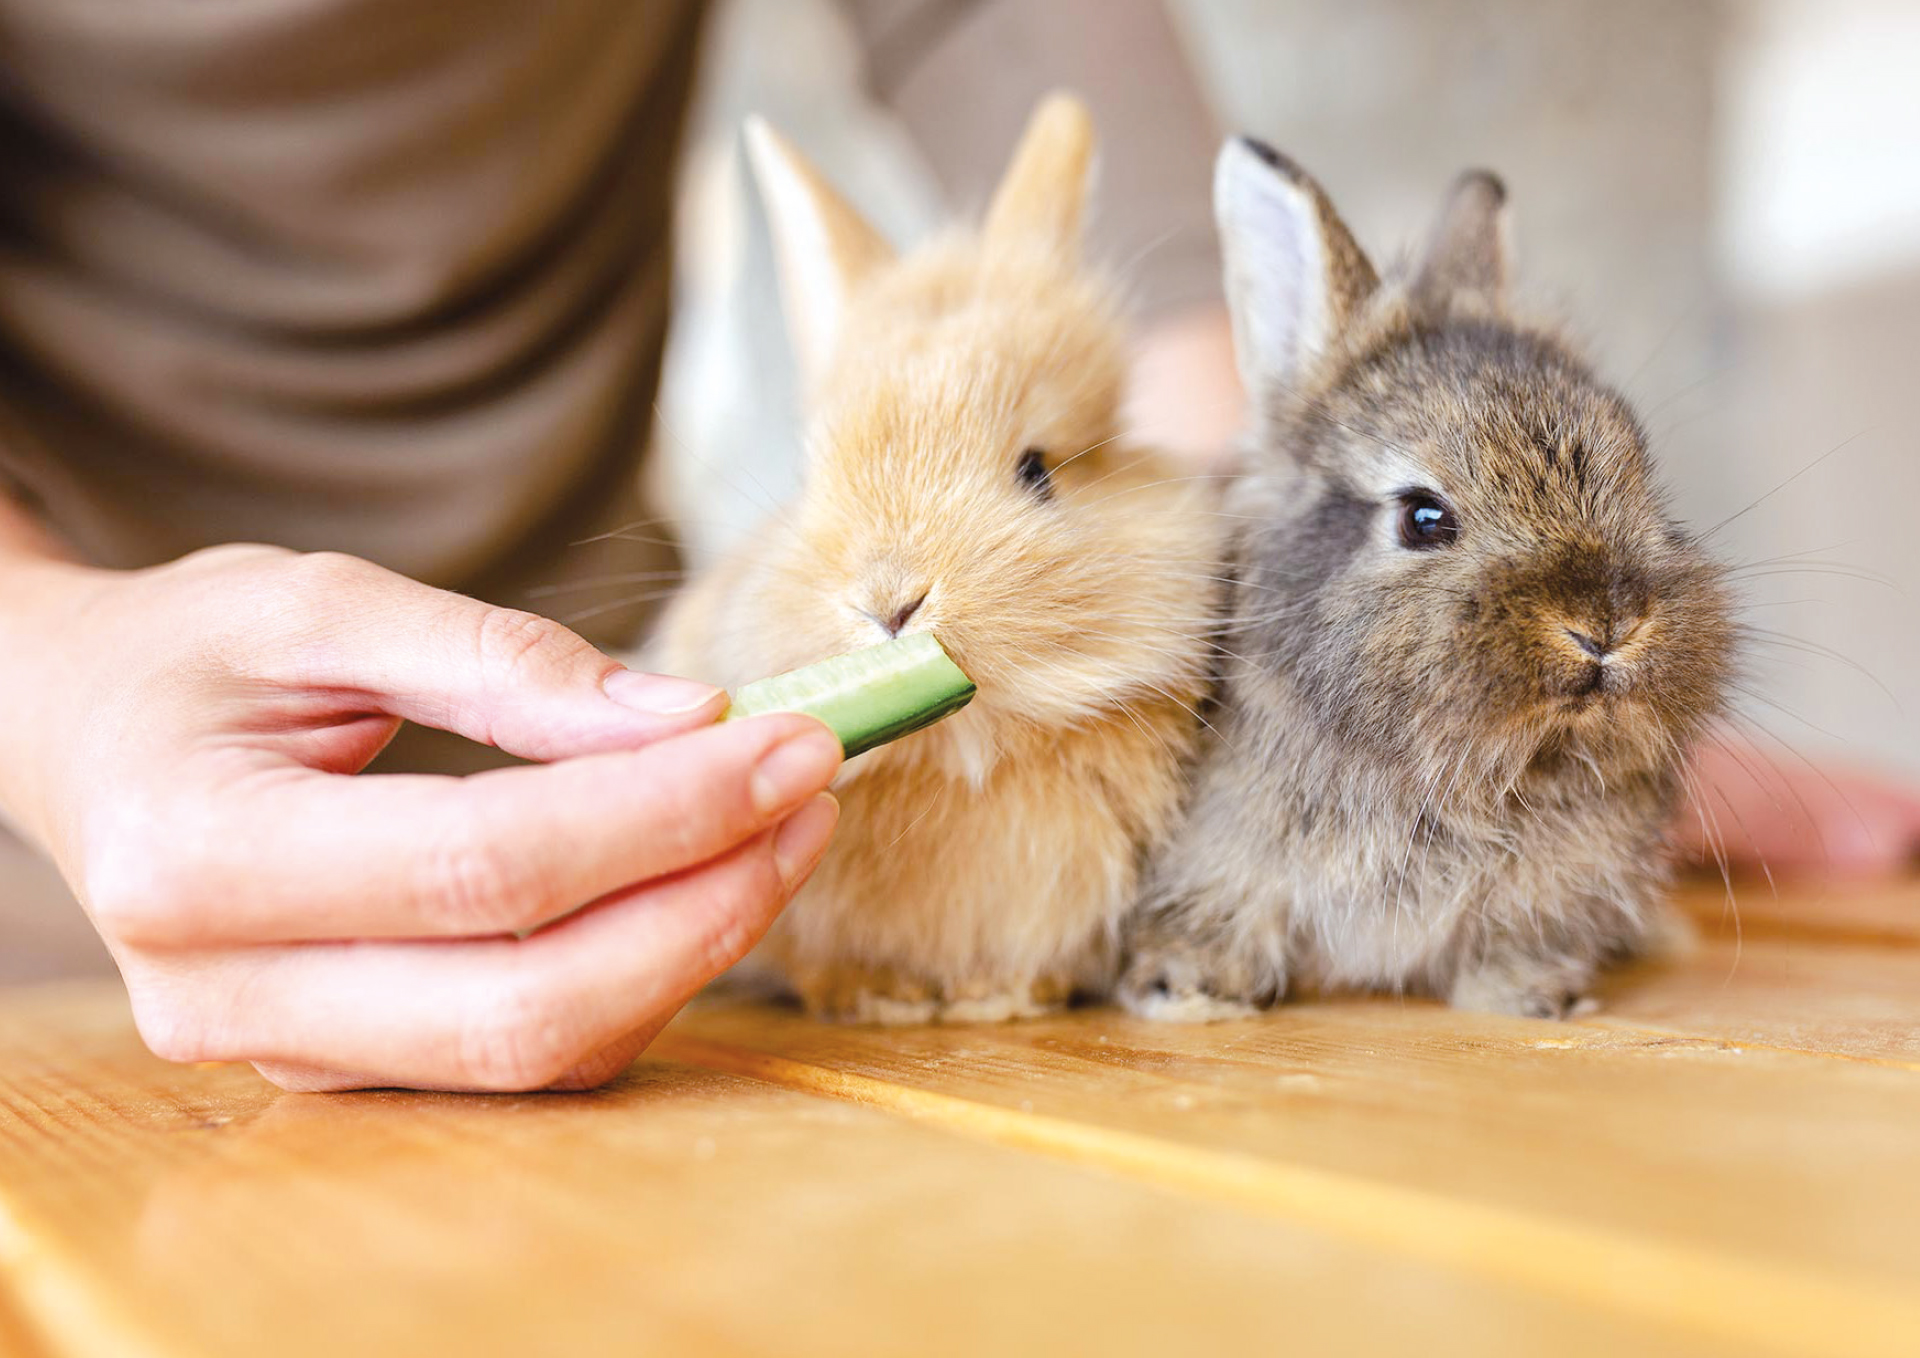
(1467, 647)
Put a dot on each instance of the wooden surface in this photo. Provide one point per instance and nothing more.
(1724, 1159)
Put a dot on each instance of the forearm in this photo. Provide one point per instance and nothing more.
(41, 587)
(23, 538)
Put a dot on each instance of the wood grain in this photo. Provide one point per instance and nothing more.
(1875, 912)
(1693, 1292)
(197, 1212)
(1426, 1132)
(15, 1339)
(1725, 1159)
(1839, 1000)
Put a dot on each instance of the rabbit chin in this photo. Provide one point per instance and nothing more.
(964, 747)
(1610, 733)
(968, 746)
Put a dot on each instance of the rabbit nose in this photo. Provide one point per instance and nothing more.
(900, 616)
(1604, 637)
(1598, 650)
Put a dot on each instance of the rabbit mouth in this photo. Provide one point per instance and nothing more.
(1613, 727)
(1592, 699)
(1580, 697)
(1597, 682)
(1598, 691)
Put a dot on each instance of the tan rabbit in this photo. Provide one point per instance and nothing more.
(1470, 649)
(965, 477)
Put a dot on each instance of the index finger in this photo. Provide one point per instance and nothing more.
(309, 856)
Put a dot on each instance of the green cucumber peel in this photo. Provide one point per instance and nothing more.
(867, 697)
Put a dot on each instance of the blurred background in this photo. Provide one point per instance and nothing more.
(1721, 200)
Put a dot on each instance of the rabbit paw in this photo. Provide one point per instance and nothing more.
(998, 1001)
(1543, 989)
(1176, 981)
(847, 992)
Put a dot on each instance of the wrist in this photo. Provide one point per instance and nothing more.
(34, 564)
(43, 595)
(38, 598)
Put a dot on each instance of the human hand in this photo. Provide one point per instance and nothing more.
(181, 739)
(1791, 817)
(1183, 393)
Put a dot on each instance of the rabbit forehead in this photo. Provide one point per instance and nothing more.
(1493, 418)
(954, 357)
(1006, 303)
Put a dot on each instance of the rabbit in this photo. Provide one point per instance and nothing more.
(965, 475)
(1468, 648)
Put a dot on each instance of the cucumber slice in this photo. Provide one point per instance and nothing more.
(868, 697)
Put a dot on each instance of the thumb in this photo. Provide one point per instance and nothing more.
(506, 678)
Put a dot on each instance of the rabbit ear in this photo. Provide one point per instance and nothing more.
(1469, 249)
(1043, 194)
(823, 247)
(1294, 275)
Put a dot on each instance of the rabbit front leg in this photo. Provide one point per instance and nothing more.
(1198, 949)
(1539, 961)
(995, 1000)
(1208, 938)
(1541, 964)
(1517, 980)
(852, 992)
(1178, 973)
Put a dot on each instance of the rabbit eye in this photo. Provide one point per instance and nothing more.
(1426, 521)
(1033, 473)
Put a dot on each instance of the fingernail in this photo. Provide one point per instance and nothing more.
(799, 765)
(661, 694)
(799, 842)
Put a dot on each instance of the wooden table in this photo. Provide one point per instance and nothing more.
(1725, 1159)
